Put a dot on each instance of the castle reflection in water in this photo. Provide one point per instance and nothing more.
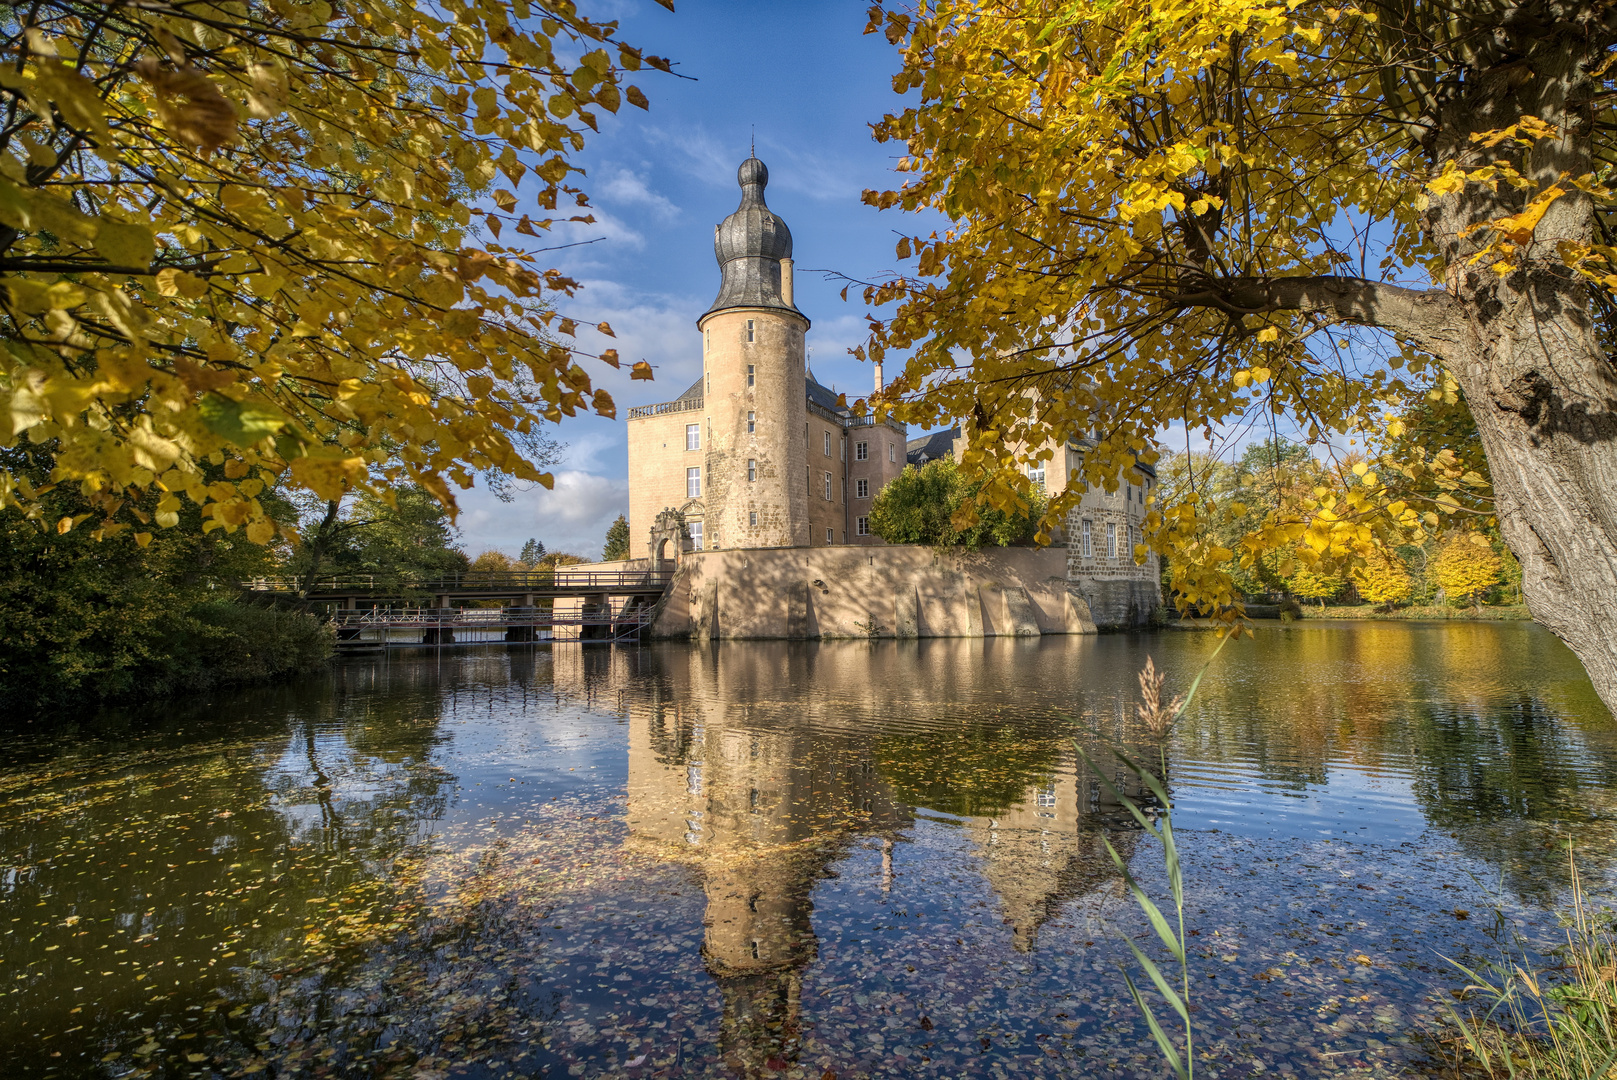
(761, 788)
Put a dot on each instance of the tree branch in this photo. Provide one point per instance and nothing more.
(1429, 317)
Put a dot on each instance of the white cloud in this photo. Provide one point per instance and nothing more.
(573, 516)
(629, 188)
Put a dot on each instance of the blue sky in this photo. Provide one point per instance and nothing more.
(806, 78)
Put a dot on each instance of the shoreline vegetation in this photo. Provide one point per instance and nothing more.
(1413, 613)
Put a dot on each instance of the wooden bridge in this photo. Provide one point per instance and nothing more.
(481, 607)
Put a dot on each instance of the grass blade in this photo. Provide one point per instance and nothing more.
(1170, 1053)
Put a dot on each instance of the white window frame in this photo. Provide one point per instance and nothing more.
(827, 444)
(693, 436)
(830, 536)
(696, 535)
(750, 335)
(892, 454)
(861, 488)
(752, 470)
(752, 373)
(1111, 539)
(693, 482)
(861, 526)
(1086, 530)
(752, 518)
(752, 422)
(1035, 473)
(827, 487)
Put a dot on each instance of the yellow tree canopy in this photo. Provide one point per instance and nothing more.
(1160, 216)
(1383, 579)
(244, 233)
(1466, 566)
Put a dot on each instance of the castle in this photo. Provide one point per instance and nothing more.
(758, 454)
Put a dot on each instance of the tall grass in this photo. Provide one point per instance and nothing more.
(1524, 1024)
(1159, 719)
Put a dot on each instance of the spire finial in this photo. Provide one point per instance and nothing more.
(752, 149)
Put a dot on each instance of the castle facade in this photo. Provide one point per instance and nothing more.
(758, 454)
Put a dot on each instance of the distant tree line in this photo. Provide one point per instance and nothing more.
(1462, 567)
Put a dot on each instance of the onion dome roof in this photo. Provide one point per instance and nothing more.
(749, 245)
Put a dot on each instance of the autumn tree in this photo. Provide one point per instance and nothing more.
(267, 236)
(617, 540)
(1310, 585)
(1466, 567)
(1383, 579)
(1198, 215)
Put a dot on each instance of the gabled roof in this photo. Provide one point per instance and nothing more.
(693, 393)
(939, 444)
(823, 396)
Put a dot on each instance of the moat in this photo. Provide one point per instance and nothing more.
(789, 859)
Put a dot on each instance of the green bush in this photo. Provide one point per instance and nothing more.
(918, 505)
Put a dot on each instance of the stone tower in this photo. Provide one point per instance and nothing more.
(756, 467)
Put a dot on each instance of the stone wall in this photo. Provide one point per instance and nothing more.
(894, 591)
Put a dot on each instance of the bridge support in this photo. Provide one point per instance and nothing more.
(440, 635)
(523, 631)
(597, 606)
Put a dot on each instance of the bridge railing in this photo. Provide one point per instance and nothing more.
(473, 581)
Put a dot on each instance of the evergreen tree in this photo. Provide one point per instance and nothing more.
(617, 540)
(532, 552)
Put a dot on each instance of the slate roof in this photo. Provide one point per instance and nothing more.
(939, 444)
(823, 396)
(749, 245)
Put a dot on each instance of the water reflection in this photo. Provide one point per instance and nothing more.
(775, 859)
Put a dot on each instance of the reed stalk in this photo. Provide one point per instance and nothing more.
(1524, 1024)
(1159, 720)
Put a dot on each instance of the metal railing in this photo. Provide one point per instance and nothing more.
(474, 581)
(680, 405)
(437, 627)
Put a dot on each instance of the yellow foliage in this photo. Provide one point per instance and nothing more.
(1465, 567)
(244, 233)
(1383, 579)
(1147, 205)
(1309, 585)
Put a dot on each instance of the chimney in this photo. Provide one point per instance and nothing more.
(786, 281)
(878, 377)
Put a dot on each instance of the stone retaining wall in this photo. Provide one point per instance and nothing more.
(893, 591)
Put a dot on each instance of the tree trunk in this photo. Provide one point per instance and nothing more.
(1544, 406)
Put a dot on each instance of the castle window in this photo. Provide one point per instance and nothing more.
(1111, 540)
(891, 453)
(751, 381)
(749, 330)
(861, 451)
(827, 487)
(861, 487)
(752, 519)
(693, 436)
(696, 535)
(830, 536)
(827, 444)
(752, 469)
(707, 340)
(693, 483)
(1035, 473)
(1089, 547)
(752, 423)
(861, 526)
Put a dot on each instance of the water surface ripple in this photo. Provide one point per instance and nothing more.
(798, 860)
